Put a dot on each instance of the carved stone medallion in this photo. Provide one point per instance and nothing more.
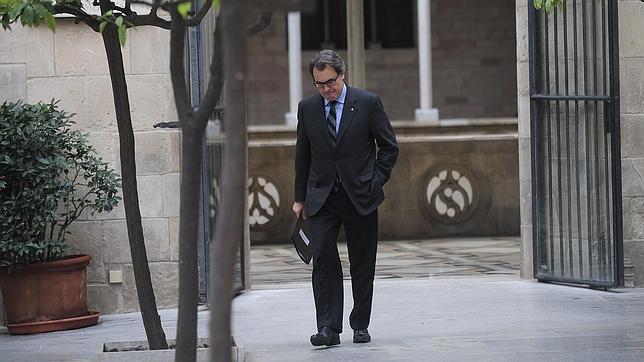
(451, 194)
(264, 201)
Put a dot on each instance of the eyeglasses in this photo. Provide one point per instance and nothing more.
(329, 83)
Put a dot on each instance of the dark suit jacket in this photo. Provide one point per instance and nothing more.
(362, 168)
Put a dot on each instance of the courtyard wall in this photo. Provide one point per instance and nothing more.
(70, 65)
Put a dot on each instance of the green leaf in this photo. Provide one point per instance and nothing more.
(5, 21)
(122, 30)
(538, 4)
(48, 172)
(216, 3)
(184, 8)
(40, 10)
(27, 16)
(51, 22)
(546, 5)
(102, 26)
(15, 11)
(119, 21)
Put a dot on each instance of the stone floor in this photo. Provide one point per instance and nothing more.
(451, 318)
(440, 300)
(434, 300)
(411, 259)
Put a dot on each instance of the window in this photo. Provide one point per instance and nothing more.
(388, 24)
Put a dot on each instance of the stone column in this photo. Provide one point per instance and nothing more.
(373, 42)
(525, 146)
(425, 112)
(355, 43)
(294, 66)
(631, 61)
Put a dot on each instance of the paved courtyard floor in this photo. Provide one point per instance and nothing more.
(441, 300)
(485, 318)
(434, 300)
(408, 259)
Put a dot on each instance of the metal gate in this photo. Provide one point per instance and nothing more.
(574, 114)
(200, 48)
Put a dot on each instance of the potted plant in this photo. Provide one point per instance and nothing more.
(49, 176)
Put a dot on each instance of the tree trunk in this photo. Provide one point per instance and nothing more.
(145, 292)
(193, 124)
(230, 224)
(191, 153)
(191, 148)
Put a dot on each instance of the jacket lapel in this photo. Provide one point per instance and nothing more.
(319, 120)
(348, 112)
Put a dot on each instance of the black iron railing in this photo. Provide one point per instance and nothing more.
(576, 188)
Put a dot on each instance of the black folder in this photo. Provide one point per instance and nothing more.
(302, 240)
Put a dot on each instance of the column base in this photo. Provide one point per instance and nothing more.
(427, 115)
(290, 119)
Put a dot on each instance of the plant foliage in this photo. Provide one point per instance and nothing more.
(49, 175)
(548, 5)
(34, 12)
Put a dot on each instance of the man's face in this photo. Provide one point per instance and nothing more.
(328, 82)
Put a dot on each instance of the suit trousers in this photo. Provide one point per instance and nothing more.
(362, 239)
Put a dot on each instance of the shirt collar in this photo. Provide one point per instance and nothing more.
(341, 98)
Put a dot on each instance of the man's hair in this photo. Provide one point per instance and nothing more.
(324, 58)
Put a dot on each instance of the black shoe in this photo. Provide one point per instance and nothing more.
(326, 337)
(361, 336)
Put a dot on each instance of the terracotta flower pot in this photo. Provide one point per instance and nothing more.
(47, 296)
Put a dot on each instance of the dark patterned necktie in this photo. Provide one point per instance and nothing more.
(330, 123)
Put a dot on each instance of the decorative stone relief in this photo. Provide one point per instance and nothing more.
(451, 194)
(263, 200)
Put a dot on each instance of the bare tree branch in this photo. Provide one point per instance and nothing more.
(200, 15)
(150, 19)
(124, 10)
(151, 3)
(177, 71)
(155, 8)
(133, 18)
(216, 81)
(89, 20)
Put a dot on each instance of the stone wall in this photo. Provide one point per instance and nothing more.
(473, 58)
(70, 65)
(486, 170)
(473, 55)
(631, 54)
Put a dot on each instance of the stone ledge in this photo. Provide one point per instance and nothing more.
(456, 126)
(404, 139)
(453, 122)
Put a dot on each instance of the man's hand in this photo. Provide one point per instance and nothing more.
(298, 208)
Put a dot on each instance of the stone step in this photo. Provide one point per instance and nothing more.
(459, 126)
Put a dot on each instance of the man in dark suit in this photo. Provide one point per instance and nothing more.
(339, 178)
